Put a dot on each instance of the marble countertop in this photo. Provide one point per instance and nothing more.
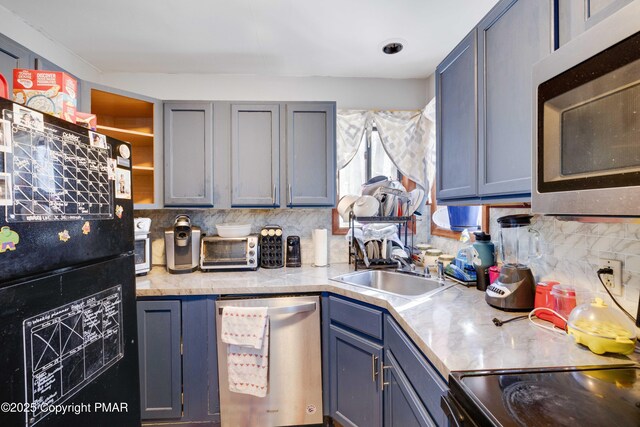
(453, 327)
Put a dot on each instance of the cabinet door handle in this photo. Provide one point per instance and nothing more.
(374, 364)
(290, 195)
(275, 193)
(382, 381)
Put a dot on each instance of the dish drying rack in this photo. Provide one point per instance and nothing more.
(404, 223)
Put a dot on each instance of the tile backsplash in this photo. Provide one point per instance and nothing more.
(571, 252)
(298, 222)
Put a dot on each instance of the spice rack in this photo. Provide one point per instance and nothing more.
(404, 223)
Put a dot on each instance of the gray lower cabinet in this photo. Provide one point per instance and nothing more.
(13, 55)
(311, 154)
(511, 38)
(419, 386)
(402, 407)
(255, 155)
(188, 154)
(456, 122)
(159, 328)
(577, 16)
(178, 361)
(356, 395)
(403, 391)
(355, 354)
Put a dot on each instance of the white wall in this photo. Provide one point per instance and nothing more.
(16, 29)
(430, 83)
(356, 93)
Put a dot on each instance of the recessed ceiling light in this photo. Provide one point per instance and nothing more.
(392, 48)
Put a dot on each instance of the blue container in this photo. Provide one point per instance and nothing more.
(461, 217)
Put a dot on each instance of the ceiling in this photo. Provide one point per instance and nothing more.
(338, 38)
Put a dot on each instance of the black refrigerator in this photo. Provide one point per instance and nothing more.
(68, 350)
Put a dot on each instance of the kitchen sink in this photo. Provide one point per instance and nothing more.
(403, 284)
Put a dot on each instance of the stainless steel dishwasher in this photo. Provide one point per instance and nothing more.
(294, 394)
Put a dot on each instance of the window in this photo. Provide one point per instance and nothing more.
(370, 160)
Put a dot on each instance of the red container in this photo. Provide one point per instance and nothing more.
(560, 298)
(51, 92)
(494, 273)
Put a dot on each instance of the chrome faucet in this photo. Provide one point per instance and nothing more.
(440, 266)
(403, 264)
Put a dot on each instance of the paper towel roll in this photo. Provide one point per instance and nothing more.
(320, 247)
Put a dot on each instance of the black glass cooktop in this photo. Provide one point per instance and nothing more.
(557, 397)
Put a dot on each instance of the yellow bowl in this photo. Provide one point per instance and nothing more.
(601, 345)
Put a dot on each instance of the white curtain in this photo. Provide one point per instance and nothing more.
(351, 126)
(430, 114)
(408, 137)
(404, 136)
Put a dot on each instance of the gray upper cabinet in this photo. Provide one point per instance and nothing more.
(311, 159)
(456, 121)
(188, 154)
(511, 38)
(484, 105)
(13, 55)
(282, 154)
(577, 16)
(255, 155)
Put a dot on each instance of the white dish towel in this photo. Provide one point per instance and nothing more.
(246, 332)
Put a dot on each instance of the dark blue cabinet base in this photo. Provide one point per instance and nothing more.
(403, 391)
(178, 361)
(356, 398)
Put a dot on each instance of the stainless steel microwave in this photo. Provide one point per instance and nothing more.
(586, 129)
(229, 253)
(142, 247)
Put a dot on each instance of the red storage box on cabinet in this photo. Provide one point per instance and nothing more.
(51, 92)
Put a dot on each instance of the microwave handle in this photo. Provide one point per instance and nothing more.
(288, 309)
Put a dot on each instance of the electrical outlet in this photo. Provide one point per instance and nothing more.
(613, 282)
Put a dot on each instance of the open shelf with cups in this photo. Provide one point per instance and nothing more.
(358, 249)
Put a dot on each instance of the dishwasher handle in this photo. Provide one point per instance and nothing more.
(287, 309)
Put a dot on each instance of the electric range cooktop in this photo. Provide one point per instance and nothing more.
(602, 396)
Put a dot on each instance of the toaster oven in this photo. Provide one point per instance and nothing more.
(229, 253)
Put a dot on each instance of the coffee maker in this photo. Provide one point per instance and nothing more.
(515, 289)
(182, 246)
(294, 257)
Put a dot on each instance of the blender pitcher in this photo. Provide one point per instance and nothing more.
(519, 244)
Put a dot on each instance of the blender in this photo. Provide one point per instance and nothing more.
(515, 289)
